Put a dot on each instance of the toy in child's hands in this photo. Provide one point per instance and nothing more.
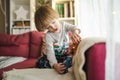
(67, 63)
(73, 45)
(71, 52)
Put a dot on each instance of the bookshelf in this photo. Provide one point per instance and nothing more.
(66, 10)
(21, 16)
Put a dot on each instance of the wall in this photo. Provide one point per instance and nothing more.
(2, 18)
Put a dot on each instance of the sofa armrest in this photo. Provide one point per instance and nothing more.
(95, 62)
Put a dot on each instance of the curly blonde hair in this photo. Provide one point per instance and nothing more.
(44, 16)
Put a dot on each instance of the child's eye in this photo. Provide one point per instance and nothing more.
(53, 22)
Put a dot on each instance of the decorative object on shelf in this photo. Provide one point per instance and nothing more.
(18, 23)
(27, 23)
(44, 2)
(21, 13)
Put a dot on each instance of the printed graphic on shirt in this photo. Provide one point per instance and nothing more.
(62, 49)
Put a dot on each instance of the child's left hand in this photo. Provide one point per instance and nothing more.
(75, 36)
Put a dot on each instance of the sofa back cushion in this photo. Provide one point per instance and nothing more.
(14, 45)
(35, 43)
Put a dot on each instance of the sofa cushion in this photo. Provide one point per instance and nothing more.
(35, 43)
(5, 40)
(14, 45)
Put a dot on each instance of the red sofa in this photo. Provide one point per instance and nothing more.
(24, 45)
(28, 45)
(95, 62)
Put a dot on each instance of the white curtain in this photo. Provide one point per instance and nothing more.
(91, 18)
(113, 41)
(101, 18)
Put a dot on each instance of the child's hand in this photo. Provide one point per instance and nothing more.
(75, 36)
(59, 67)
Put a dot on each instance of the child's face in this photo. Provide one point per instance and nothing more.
(54, 26)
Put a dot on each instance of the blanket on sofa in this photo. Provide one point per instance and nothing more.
(37, 74)
(79, 58)
(8, 60)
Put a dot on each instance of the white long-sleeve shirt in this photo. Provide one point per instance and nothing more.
(52, 38)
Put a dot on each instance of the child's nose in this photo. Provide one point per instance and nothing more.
(53, 27)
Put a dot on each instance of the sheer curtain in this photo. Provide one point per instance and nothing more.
(113, 41)
(92, 18)
(101, 18)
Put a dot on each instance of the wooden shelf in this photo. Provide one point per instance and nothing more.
(24, 23)
(66, 10)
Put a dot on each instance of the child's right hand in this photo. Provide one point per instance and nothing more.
(59, 67)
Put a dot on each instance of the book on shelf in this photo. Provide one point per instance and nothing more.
(71, 9)
(66, 9)
(60, 9)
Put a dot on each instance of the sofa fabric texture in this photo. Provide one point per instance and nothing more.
(22, 45)
(14, 45)
(94, 66)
